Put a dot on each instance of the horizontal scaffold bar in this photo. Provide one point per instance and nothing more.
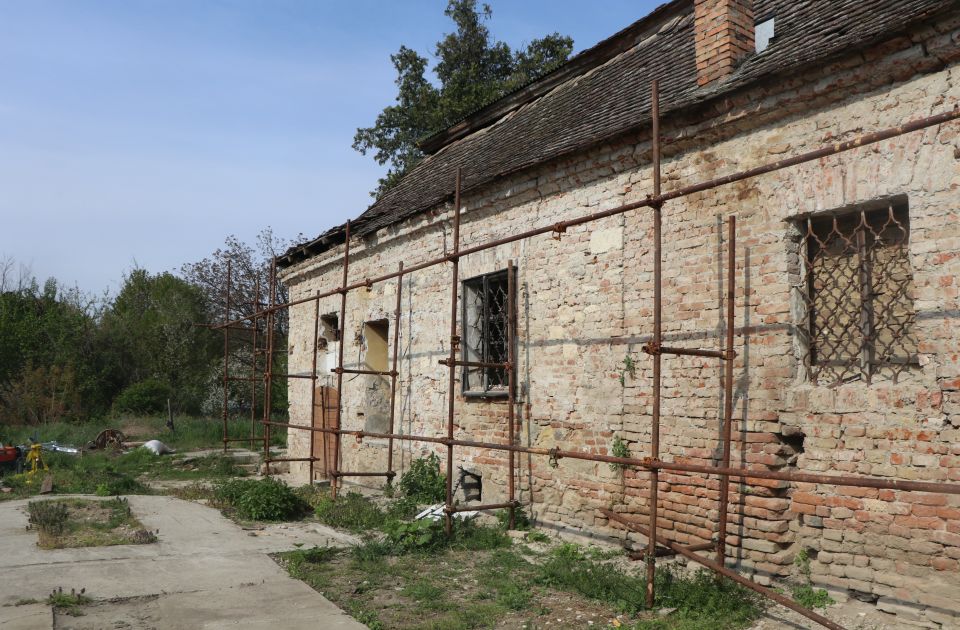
(648, 202)
(882, 483)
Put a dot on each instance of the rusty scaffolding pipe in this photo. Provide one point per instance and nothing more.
(722, 570)
(833, 149)
(313, 385)
(511, 391)
(880, 483)
(226, 359)
(268, 368)
(393, 371)
(334, 479)
(454, 346)
(253, 366)
(657, 338)
(653, 464)
(727, 389)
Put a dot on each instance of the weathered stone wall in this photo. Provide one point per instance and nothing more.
(584, 305)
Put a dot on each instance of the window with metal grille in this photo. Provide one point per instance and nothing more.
(857, 287)
(485, 334)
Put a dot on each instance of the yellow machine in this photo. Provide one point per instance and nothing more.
(35, 461)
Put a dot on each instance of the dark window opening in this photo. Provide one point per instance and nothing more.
(329, 329)
(486, 334)
(858, 292)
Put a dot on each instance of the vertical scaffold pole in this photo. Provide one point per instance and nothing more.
(313, 382)
(727, 389)
(657, 338)
(226, 358)
(454, 346)
(511, 392)
(268, 370)
(253, 365)
(394, 373)
(334, 477)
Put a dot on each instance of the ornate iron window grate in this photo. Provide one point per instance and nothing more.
(485, 333)
(857, 291)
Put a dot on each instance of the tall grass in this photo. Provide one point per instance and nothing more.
(189, 433)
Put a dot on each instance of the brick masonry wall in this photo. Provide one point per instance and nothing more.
(584, 304)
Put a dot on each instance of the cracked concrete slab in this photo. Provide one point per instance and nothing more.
(205, 571)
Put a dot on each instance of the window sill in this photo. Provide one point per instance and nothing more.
(492, 396)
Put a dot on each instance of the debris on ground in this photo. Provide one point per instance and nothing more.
(108, 438)
(157, 447)
(435, 513)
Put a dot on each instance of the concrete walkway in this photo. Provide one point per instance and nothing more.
(205, 572)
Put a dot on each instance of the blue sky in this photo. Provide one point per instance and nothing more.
(142, 132)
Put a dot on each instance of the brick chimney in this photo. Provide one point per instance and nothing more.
(723, 36)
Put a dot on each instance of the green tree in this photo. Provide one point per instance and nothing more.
(48, 367)
(152, 333)
(472, 69)
(249, 281)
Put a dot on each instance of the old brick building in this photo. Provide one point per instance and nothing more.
(847, 313)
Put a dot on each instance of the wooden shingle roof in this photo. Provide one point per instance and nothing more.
(604, 92)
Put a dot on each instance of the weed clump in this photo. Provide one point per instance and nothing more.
(429, 535)
(804, 593)
(619, 448)
(521, 522)
(351, 511)
(424, 482)
(69, 603)
(48, 517)
(266, 499)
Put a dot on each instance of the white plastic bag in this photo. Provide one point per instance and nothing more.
(157, 447)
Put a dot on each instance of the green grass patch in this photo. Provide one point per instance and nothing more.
(112, 474)
(480, 581)
(86, 523)
(569, 567)
(189, 433)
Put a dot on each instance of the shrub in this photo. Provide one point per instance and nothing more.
(521, 521)
(424, 482)
(149, 396)
(265, 499)
(402, 508)
(422, 535)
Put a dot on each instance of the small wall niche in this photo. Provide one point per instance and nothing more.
(375, 334)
